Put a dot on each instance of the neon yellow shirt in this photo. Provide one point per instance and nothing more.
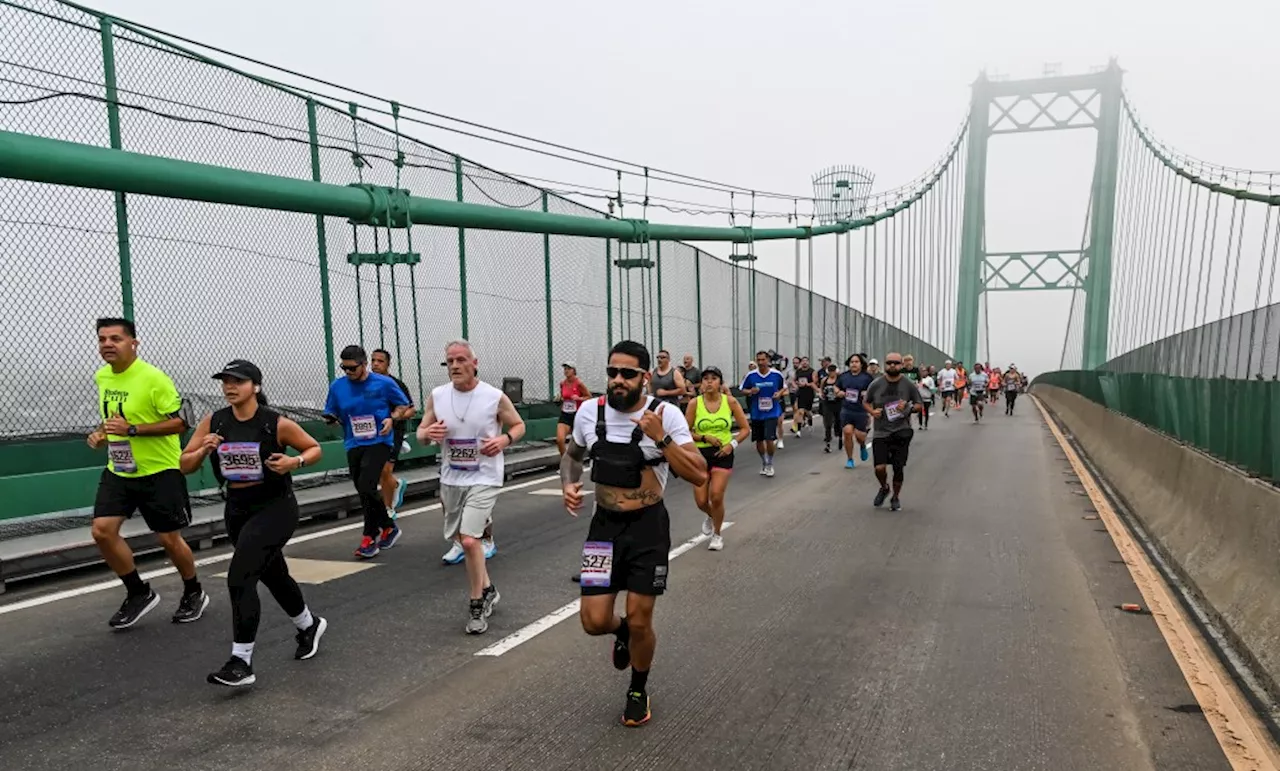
(718, 424)
(141, 394)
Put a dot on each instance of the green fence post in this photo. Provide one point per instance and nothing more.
(462, 248)
(322, 249)
(546, 267)
(777, 314)
(658, 256)
(608, 288)
(697, 288)
(122, 207)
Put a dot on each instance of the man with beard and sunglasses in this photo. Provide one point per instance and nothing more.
(633, 441)
(891, 399)
(473, 422)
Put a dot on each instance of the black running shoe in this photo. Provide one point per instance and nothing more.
(621, 653)
(134, 607)
(477, 623)
(895, 504)
(235, 673)
(309, 638)
(637, 710)
(490, 598)
(880, 496)
(191, 607)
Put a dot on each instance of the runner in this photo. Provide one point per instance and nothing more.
(245, 443)
(692, 381)
(473, 432)
(962, 384)
(764, 388)
(850, 388)
(667, 384)
(392, 488)
(947, 384)
(804, 379)
(978, 391)
(573, 392)
(632, 440)
(927, 389)
(909, 369)
(712, 418)
(873, 368)
(141, 423)
(367, 405)
(1012, 384)
(891, 399)
(830, 406)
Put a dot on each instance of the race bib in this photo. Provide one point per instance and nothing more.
(828, 393)
(803, 382)
(364, 426)
(892, 411)
(1011, 386)
(852, 396)
(121, 455)
(464, 454)
(570, 407)
(240, 461)
(597, 563)
(765, 404)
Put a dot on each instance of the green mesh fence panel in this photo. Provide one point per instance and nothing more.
(679, 301)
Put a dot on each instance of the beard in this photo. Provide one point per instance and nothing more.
(626, 401)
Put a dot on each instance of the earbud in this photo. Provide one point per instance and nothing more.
(257, 389)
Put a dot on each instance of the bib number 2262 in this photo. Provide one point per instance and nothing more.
(597, 563)
(464, 454)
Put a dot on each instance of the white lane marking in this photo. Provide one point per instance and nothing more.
(531, 631)
(67, 594)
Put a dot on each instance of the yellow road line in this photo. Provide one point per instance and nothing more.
(1244, 740)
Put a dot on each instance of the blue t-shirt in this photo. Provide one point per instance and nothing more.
(766, 404)
(854, 386)
(361, 407)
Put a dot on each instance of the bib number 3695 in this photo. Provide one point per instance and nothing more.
(597, 563)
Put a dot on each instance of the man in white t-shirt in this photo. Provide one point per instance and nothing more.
(632, 439)
(473, 423)
(947, 385)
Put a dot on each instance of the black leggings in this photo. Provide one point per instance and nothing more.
(260, 527)
(1009, 398)
(830, 420)
(924, 413)
(366, 465)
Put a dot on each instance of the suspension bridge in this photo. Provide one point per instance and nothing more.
(1087, 583)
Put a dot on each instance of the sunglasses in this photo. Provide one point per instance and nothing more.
(627, 373)
(351, 367)
(893, 364)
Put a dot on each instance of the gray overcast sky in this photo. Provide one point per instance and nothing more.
(763, 93)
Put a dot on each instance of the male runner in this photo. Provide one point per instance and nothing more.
(947, 385)
(367, 405)
(631, 440)
(392, 488)
(978, 391)
(473, 422)
(801, 416)
(891, 399)
(667, 383)
(141, 427)
(851, 385)
(764, 388)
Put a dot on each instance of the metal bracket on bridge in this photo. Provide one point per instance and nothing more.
(640, 232)
(742, 257)
(384, 258)
(390, 207)
(633, 262)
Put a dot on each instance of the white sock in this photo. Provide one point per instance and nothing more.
(303, 620)
(243, 651)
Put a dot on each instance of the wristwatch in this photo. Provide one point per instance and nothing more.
(666, 442)
(133, 431)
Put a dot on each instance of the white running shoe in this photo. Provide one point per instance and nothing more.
(779, 444)
(764, 471)
(708, 527)
(454, 555)
(717, 543)
(768, 471)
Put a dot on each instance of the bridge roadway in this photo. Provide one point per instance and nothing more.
(975, 629)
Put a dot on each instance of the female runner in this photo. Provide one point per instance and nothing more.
(712, 417)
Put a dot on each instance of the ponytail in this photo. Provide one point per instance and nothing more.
(262, 398)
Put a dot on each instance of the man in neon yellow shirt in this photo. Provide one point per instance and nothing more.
(141, 428)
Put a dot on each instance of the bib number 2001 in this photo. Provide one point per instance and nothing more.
(597, 563)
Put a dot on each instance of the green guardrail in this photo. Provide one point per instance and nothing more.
(1236, 421)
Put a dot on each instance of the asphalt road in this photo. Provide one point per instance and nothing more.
(975, 629)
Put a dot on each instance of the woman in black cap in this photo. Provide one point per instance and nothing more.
(246, 443)
(712, 417)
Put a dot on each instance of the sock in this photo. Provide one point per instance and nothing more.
(243, 651)
(623, 631)
(639, 679)
(303, 620)
(191, 585)
(133, 583)
(768, 459)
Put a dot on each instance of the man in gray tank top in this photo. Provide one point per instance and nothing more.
(667, 384)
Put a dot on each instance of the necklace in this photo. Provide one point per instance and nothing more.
(454, 407)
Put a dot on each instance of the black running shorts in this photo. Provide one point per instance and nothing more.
(859, 419)
(764, 430)
(977, 397)
(626, 551)
(161, 498)
(892, 449)
(715, 460)
(804, 399)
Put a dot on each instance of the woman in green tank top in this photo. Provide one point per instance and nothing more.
(718, 424)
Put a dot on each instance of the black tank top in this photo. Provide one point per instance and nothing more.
(246, 445)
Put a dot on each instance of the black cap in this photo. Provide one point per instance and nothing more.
(241, 370)
(713, 371)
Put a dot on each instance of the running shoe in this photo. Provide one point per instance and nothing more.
(862, 452)
(895, 504)
(236, 672)
(848, 463)
(637, 710)
(764, 471)
(827, 448)
(880, 496)
(454, 555)
(400, 488)
(717, 543)
(191, 607)
(309, 638)
(368, 549)
(621, 653)
(388, 537)
(134, 607)
(768, 471)
(490, 548)
(490, 598)
(779, 444)
(393, 515)
(708, 527)
(477, 623)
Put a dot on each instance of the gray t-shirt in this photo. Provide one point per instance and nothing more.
(885, 395)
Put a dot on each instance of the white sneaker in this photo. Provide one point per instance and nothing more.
(391, 513)
(764, 471)
(717, 543)
(768, 471)
(708, 527)
(454, 555)
(779, 444)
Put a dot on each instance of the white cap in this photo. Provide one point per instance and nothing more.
(570, 365)
(873, 361)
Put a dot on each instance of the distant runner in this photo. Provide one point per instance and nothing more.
(764, 389)
(851, 387)
(1012, 385)
(978, 391)
(573, 392)
(712, 418)
(891, 399)
(801, 415)
(947, 385)
(392, 488)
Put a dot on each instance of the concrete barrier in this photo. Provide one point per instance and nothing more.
(1218, 527)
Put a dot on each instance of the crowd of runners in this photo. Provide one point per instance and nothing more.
(654, 420)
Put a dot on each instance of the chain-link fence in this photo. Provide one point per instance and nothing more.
(207, 283)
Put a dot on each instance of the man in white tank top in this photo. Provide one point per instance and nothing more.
(473, 423)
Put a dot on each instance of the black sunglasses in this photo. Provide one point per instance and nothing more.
(893, 364)
(350, 367)
(627, 373)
